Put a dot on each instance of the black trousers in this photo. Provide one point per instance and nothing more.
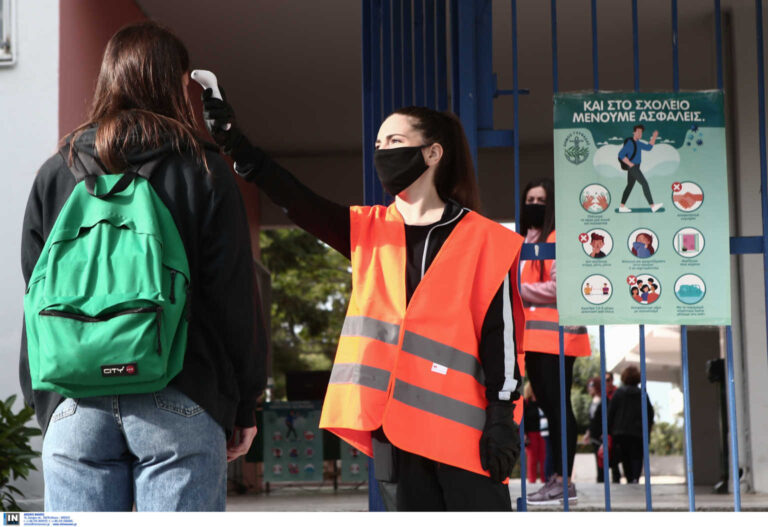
(426, 485)
(634, 175)
(543, 372)
(631, 456)
(615, 472)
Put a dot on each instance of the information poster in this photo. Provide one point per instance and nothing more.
(293, 444)
(354, 464)
(641, 208)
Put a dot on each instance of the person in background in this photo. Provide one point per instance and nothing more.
(426, 374)
(594, 432)
(625, 423)
(610, 388)
(535, 445)
(542, 361)
(594, 435)
(168, 450)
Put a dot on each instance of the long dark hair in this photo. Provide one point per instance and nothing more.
(455, 173)
(139, 103)
(549, 216)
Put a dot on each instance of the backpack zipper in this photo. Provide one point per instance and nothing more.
(84, 318)
(102, 318)
(173, 289)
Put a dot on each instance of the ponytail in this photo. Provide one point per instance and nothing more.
(455, 173)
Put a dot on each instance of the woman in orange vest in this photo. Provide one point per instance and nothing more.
(425, 378)
(542, 347)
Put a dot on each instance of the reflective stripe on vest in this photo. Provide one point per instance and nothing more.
(361, 374)
(542, 320)
(440, 405)
(416, 371)
(371, 328)
(545, 325)
(443, 355)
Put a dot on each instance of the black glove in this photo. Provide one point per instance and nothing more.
(500, 442)
(217, 113)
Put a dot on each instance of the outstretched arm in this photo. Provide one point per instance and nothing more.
(321, 217)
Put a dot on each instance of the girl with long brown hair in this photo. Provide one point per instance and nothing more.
(425, 377)
(166, 450)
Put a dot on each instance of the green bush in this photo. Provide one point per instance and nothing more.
(15, 453)
(666, 439)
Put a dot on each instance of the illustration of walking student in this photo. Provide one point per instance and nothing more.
(630, 157)
(289, 419)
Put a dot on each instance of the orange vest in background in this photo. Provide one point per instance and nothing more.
(415, 370)
(541, 320)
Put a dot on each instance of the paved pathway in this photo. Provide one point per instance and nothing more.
(665, 497)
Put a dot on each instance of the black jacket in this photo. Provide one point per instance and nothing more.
(625, 413)
(224, 365)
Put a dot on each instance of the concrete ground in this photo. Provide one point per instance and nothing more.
(665, 497)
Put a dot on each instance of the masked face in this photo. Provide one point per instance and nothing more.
(399, 156)
(399, 167)
(535, 206)
(534, 214)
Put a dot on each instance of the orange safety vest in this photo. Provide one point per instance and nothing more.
(415, 370)
(542, 320)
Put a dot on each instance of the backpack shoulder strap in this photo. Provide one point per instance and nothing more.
(121, 185)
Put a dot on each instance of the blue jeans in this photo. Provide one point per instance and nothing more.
(160, 451)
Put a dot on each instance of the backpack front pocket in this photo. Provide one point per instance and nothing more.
(120, 347)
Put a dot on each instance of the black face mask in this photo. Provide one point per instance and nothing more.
(398, 168)
(534, 214)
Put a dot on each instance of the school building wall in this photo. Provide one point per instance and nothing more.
(29, 106)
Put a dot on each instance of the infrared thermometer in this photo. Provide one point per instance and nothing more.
(207, 79)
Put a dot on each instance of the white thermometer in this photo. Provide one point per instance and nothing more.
(207, 79)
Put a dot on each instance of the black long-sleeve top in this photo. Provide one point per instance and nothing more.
(625, 412)
(330, 222)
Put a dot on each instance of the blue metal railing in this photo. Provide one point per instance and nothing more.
(405, 58)
(761, 125)
(603, 393)
(561, 357)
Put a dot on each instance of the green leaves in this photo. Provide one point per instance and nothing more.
(16, 455)
(666, 439)
(310, 287)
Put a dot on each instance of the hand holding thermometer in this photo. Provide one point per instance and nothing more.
(207, 79)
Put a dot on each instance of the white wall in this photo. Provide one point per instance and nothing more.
(29, 121)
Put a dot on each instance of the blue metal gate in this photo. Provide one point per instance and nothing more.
(405, 61)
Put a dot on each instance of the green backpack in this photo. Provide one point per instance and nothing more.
(106, 308)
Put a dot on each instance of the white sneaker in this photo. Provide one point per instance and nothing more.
(656, 206)
(622, 208)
